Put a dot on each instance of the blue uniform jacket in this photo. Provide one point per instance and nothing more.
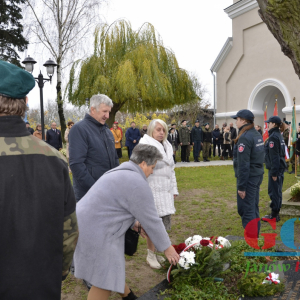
(92, 153)
(275, 152)
(131, 135)
(197, 134)
(248, 157)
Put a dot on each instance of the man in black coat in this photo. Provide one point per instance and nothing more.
(233, 135)
(29, 128)
(53, 137)
(216, 135)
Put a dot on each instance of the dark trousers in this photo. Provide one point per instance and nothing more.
(226, 147)
(248, 207)
(275, 191)
(216, 144)
(184, 152)
(196, 149)
(119, 152)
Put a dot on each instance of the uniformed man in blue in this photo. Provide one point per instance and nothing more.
(248, 159)
(275, 163)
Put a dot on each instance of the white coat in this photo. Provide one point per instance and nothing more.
(163, 180)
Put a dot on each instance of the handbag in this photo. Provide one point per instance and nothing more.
(131, 240)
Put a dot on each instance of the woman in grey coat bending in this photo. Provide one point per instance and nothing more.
(105, 213)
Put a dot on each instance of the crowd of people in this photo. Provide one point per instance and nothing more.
(46, 226)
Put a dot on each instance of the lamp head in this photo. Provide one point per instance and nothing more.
(29, 64)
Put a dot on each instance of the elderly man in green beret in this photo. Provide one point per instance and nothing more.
(38, 225)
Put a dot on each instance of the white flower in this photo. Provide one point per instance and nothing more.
(224, 242)
(186, 259)
(188, 241)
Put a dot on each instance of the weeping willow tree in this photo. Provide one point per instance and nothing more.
(134, 69)
(283, 19)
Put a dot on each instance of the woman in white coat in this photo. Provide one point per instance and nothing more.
(162, 182)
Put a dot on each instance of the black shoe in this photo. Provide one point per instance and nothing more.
(188, 160)
(130, 296)
(271, 216)
(207, 160)
(292, 172)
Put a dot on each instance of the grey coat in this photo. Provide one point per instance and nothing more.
(104, 214)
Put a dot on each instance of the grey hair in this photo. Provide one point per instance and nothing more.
(153, 124)
(96, 100)
(147, 153)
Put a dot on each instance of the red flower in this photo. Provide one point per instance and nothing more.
(204, 243)
(179, 248)
(216, 239)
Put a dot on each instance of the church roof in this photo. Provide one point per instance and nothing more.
(240, 8)
(222, 55)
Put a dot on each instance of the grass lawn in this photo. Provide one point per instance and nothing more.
(206, 206)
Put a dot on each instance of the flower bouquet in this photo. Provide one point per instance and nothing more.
(200, 258)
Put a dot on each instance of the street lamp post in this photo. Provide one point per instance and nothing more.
(50, 65)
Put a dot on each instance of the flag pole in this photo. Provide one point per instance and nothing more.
(296, 160)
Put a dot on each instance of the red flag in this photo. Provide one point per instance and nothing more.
(275, 109)
(266, 133)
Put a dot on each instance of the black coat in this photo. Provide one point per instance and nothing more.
(92, 153)
(54, 138)
(216, 135)
(207, 136)
(233, 133)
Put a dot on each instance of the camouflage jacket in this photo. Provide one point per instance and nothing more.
(286, 135)
(37, 212)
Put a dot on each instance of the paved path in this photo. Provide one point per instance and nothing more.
(204, 164)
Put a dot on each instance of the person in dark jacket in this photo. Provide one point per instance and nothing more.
(275, 163)
(176, 132)
(298, 141)
(53, 137)
(197, 140)
(184, 140)
(207, 137)
(143, 131)
(233, 135)
(248, 163)
(92, 146)
(173, 140)
(38, 224)
(29, 128)
(133, 136)
(216, 135)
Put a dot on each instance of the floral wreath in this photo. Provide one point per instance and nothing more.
(187, 259)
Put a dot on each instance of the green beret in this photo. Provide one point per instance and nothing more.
(206, 124)
(287, 122)
(15, 82)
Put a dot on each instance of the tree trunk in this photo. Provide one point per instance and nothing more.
(282, 19)
(60, 104)
(112, 115)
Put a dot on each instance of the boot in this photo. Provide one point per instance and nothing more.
(272, 215)
(292, 172)
(204, 159)
(152, 260)
(160, 259)
(130, 296)
(188, 159)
